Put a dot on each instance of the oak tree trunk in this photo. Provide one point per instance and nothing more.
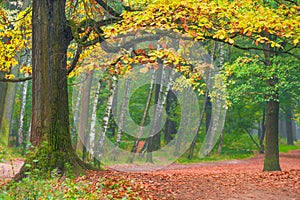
(50, 115)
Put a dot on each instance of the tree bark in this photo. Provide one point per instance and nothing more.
(122, 117)
(289, 125)
(21, 139)
(50, 130)
(158, 111)
(192, 147)
(170, 126)
(109, 104)
(140, 131)
(76, 115)
(271, 161)
(83, 131)
(94, 118)
(8, 107)
(3, 89)
(262, 132)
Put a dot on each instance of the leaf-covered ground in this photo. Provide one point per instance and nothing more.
(237, 179)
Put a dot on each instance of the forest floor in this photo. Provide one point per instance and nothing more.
(235, 179)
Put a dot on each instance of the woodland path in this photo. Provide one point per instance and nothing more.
(236, 179)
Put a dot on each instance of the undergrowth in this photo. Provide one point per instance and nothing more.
(32, 187)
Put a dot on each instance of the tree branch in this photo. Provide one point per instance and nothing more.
(109, 9)
(15, 80)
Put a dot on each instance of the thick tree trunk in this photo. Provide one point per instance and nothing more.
(50, 114)
(271, 161)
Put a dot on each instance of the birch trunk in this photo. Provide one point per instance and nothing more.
(99, 148)
(192, 147)
(94, 118)
(140, 131)
(122, 118)
(158, 111)
(76, 119)
(83, 131)
(22, 114)
(222, 61)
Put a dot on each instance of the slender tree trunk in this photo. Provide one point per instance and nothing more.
(208, 110)
(9, 101)
(140, 131)
(222, 61)
(99, 148)
(3, 89)
(170, 126)
(156, 137)
(94, 118)
(289, 125)
(184, 115)
(158, 111)
(122, 117)
(262, 132)
(192, 147)
(74, 133)
(83, 131)
(22, 114)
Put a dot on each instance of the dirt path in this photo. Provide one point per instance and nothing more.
(237, 179)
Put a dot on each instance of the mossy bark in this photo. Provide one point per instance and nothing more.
(50, 131)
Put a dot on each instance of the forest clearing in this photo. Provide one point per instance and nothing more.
(149, 99)
(234, 179)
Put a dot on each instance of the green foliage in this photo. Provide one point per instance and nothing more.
(33, 187)
(7, 154)
(235, 146)
(247, 78)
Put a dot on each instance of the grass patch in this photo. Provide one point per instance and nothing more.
(70, 188)
(7, 154)
(284, 148)
(235, 146)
